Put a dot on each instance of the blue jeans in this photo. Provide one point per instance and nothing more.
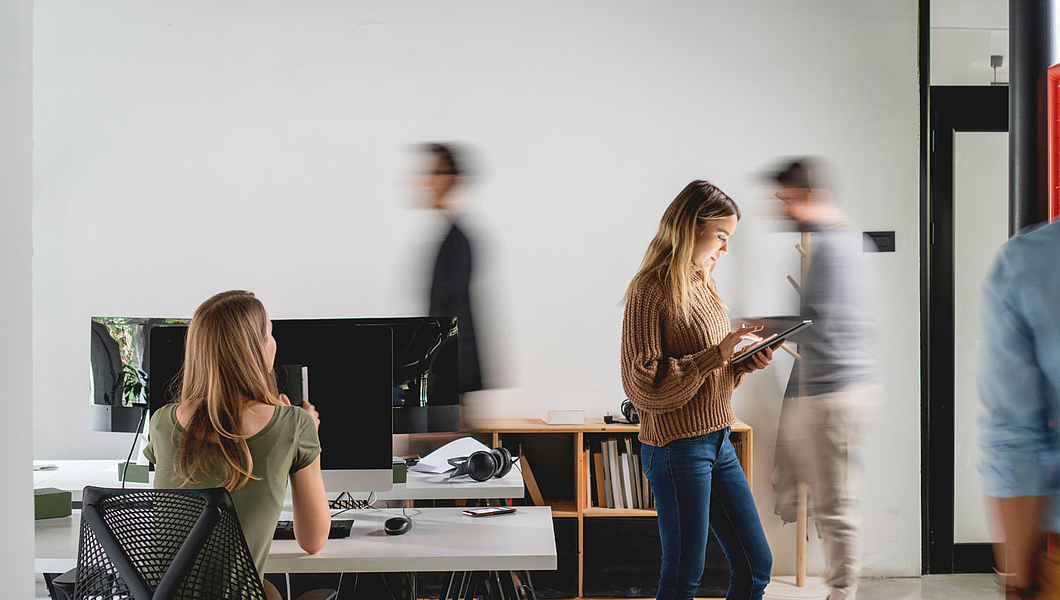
(699, 485)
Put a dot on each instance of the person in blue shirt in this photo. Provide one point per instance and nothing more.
(1019, 382)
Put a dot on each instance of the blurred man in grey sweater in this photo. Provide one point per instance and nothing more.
(835, 385)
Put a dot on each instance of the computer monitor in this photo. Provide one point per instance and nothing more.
(117, 355)
(426, 384)
(425, 387)
(349, 375)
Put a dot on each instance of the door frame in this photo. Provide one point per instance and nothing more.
(952, 109)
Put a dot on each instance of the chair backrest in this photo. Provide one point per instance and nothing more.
(163, 545)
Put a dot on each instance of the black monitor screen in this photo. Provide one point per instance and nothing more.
(348, 370)
(426, 384)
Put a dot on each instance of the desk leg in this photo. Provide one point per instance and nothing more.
(472, 586)
(449, 587)
(465, 583)
(502, 592)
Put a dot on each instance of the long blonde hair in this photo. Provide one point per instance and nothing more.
(224, 368)
(669, 255)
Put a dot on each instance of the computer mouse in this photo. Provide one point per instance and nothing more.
(397, 525)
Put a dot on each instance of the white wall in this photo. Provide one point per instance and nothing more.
(980, 228)
(16, 293)
(185, 149)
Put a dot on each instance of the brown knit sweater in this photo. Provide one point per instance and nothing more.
(673, 397)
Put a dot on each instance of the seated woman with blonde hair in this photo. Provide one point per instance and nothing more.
(230, 428)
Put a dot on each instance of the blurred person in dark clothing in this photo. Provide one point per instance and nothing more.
(835, 384)
(450, 293)
(1019, 383)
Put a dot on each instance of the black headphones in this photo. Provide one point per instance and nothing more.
(630, 412)
(483, 465)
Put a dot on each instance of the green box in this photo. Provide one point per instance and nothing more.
(50, 503)
(400, 472)
(137, 473)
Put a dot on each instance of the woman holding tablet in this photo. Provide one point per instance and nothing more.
(676, 369)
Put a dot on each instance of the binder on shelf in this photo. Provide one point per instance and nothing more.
(634, 472)
(605, 458)
(587, 498)
(531, 482)
(627, 492)
(598, 476)
(616, 474)
(646, 489)
(634, 476)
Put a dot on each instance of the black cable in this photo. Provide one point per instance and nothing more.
(337, 502)
(387, 586)
(136, 438)
(368, 504)
(405, 514)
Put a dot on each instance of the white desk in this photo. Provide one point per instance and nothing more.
(429, 486)
(74, 475)
(442, 539)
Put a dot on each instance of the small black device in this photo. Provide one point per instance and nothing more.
(340, 528)
(292, 380)
(489, 511)
(397, 525)
(759, 346)
(483, 465)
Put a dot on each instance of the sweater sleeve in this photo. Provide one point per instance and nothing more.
(652, 381)
(738, 373)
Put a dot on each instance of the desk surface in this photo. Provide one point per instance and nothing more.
(74, 475)
(441, 539)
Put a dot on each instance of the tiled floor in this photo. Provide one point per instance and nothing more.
(931, 587)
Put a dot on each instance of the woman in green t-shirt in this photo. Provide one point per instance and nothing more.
(230, 428)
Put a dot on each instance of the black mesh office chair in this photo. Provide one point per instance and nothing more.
(163, 545)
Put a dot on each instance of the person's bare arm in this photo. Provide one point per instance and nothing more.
(1020, 519)
(312, 518)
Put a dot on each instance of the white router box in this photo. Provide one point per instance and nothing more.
(563, 416)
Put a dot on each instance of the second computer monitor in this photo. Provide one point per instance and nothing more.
(426, 379)
(348, 368)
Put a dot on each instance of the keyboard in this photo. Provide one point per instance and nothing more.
(339, 529)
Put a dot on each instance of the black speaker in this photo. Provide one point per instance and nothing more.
(483, 465)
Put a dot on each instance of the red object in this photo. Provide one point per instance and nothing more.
(1053, 118)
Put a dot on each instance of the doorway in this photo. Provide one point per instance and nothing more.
(965, 222)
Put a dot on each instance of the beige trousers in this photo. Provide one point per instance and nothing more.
(828, 433)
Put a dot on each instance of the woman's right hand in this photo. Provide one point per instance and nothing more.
(308, 406)
(728, 343)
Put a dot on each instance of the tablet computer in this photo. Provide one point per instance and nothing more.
(757, 347)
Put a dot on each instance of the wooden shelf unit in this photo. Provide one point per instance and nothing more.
(742, 439)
